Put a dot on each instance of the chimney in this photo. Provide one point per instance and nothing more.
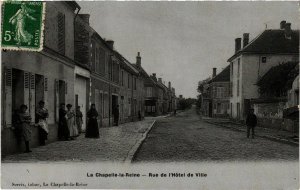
(237, 44)
(214, 72)
(138, 59)
(169, 85)
(282, 24)
(154, 76)
(245, 39)
(110, 43)
(85, 18)
(288, 31)
(160, 80)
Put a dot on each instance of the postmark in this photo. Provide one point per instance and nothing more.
(22, 25)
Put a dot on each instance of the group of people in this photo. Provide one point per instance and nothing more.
(69, 126)
(22, 121)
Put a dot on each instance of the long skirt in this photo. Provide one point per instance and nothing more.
(92, 130)
(63, 130)
(26, 132)
(72, 128)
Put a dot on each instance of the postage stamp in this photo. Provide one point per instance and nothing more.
(22, 25)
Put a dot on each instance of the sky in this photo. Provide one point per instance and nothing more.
(182, 41)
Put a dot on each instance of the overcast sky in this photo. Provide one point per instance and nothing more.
(182, 41)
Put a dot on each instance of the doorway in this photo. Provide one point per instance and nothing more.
(114, 104)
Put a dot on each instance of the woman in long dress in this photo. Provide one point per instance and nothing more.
(92, 130)
(63, 130)
(24, 121)
(41, 120)
(71, 122)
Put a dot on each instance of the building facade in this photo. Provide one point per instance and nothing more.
(29, 77)
(254, 59)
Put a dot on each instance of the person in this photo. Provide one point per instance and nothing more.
(175, 112)
(140, 115)
(92, 130)
(63, 130)
(24, 120)
(41, 116)
(116, 115)
(79, 120)
(251, 122)
(71, 122)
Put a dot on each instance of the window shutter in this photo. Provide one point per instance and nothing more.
(32, 97)
(61, 33)
(7, 110)
(46, 91)
(66, 88)
(26, 89)
(26, 80)
(56, 96)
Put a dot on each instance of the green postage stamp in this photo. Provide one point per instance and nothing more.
(22, 25)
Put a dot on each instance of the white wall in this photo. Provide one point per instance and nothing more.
(251, 69)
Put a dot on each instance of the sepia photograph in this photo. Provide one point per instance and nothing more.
(150, 94)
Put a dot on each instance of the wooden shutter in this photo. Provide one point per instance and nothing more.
(56, 96)
(61, 33)
(31, 105)
(46, 92)
(26, 88)
(8, 97)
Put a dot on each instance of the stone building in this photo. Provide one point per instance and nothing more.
(29, 77)
(251, 61)
(220, 93)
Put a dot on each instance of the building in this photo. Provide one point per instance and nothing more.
(220, 93)
(251, 61)
(29, 77)
(275, 107)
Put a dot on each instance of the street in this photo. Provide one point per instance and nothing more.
(188, 138)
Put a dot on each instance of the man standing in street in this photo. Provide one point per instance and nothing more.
(116, 115)
(251, 122)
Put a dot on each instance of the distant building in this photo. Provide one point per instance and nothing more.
(252, 60)
(220, 93)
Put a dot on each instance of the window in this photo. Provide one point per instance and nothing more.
(238, 110)
(134, 83)
(122, 78)
(220, 92)
(61, 33)
(128, 81)
(238, 88)
(238, 71)
(149, 91)
(102, 60)
(263, 59)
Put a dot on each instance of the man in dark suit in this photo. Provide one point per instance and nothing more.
(251, 122)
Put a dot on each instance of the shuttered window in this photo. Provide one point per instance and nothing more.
(61, 33)
(26, 80)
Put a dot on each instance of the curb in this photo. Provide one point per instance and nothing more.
(276, 139)
(132, 153)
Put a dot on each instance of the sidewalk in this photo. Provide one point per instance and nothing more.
(115, 144)
(272, 134)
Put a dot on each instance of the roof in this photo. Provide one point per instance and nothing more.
(272, 42)
(223, 76)
(278, 78)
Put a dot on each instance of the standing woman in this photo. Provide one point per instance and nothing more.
(92, 130)
(41, 120)
(79, 120)
(71, 122)
(63, 130)
(24, 118)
